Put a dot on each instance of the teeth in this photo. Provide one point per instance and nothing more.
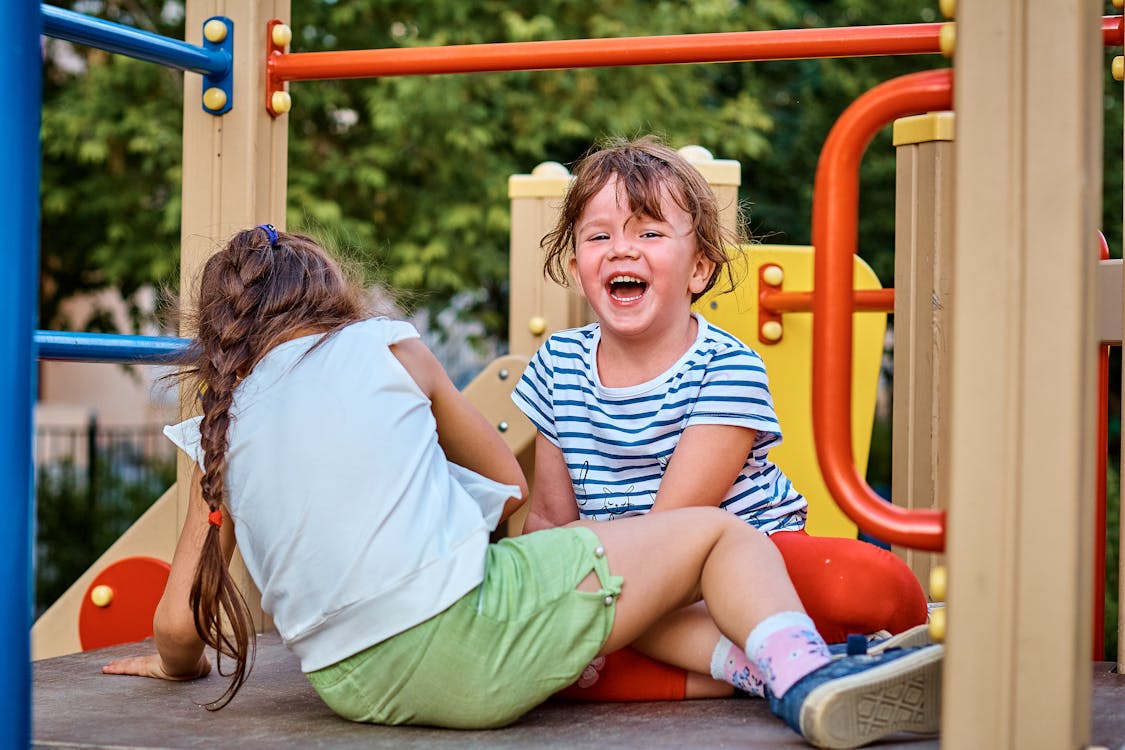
(615, 288)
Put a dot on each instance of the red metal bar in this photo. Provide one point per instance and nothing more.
(863, 300)
(1100, 486)
(835, 232)
(736, 46)
(1113, 34)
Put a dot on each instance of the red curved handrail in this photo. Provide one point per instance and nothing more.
(1101, 452)
(834, 232)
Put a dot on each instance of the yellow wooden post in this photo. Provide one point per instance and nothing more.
(923, 246)
(235, 170)
(1023, 373)
(537, 306)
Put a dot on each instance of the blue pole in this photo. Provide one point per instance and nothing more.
(125, 40)
(21, 74)
(66, 346)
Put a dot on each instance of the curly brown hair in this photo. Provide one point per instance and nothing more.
(646, 170)
(253, 295)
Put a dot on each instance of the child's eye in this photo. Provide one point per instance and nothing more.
(650, 234)
(597, 236)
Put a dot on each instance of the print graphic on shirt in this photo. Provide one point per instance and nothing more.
(614, 503)
(616, 506)
(580, 485)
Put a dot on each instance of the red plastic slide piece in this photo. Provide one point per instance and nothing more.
(120, 602)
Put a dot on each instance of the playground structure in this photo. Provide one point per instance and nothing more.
(1024, 195)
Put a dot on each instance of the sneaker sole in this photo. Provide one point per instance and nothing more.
(900, 696)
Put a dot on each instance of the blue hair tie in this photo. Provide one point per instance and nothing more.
(271, 232)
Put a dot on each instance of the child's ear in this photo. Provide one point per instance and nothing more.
(572, 266)
(701, 273)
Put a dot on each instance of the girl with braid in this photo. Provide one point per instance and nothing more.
(362, 487)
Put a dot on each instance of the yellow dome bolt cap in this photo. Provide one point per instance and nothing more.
(214, 98)
(694, 153)
(550, 169)
(101, 596)
(537, 324)
(215, 31)
(281, 35)
(773, 275)
(937, 625)
(281, 102)
(938, 581)
(771, 330)
(947, 38)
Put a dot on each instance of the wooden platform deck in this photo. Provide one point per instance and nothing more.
(75, 706)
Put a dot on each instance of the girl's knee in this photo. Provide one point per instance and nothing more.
(704, 514)
(711, 517)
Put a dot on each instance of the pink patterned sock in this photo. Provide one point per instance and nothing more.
(729, 663)
(786, 647)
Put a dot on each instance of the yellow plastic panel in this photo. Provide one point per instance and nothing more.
(789, 364)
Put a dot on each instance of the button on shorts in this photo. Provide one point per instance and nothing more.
(503, 648)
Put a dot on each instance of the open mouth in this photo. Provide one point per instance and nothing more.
(626, 288)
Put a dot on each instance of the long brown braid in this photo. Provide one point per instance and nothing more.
(255, 293)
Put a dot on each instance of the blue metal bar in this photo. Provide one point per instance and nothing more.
(65, 346)
(125, 40)
(20, 80)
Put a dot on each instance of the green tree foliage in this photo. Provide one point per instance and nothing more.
(111, 167)
(808, 97)
(413, 170)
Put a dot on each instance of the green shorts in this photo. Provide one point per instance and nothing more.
(503, 648)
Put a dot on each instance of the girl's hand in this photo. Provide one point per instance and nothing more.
(152, 666)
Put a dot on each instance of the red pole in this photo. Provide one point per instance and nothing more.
(835, 230)
(736, 46)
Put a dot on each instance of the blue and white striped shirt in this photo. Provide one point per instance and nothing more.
(617, 441)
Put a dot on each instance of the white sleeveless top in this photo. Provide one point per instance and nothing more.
(351, 521)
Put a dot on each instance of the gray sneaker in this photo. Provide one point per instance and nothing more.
(855, 700)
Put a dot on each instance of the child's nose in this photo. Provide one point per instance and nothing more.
(623, 247)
